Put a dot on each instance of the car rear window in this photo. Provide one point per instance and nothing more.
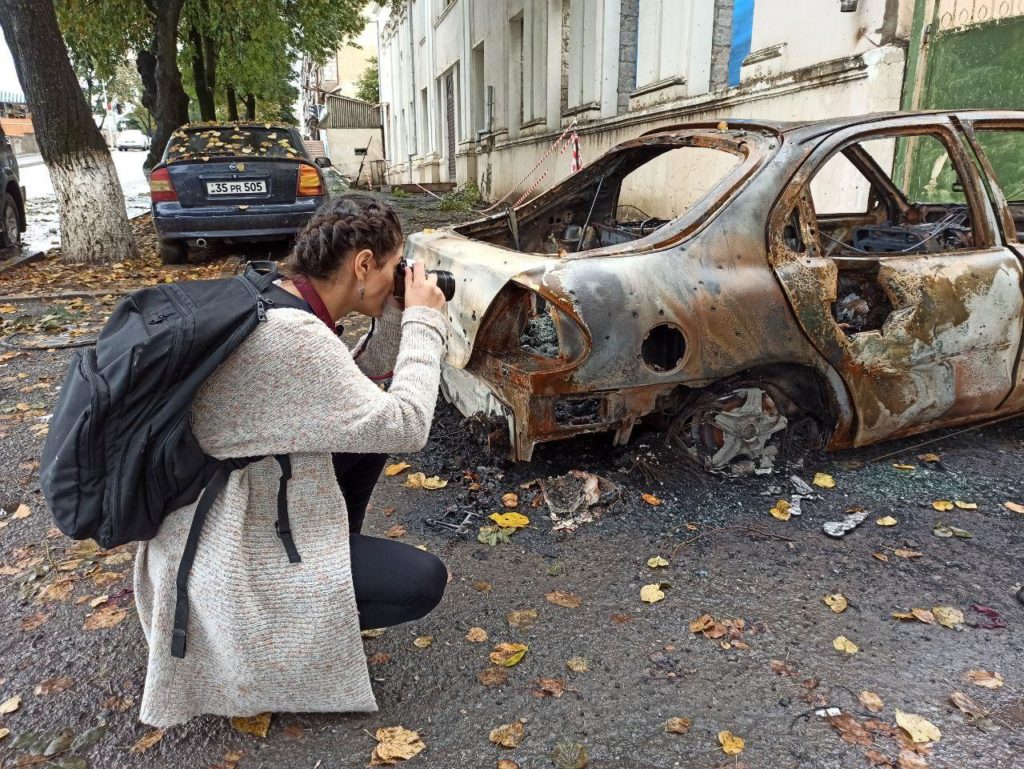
(231, 141)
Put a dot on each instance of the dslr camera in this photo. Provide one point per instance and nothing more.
(445, 280)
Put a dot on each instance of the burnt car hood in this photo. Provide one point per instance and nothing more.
(481, 270)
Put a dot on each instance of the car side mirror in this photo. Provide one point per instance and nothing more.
(323, 162)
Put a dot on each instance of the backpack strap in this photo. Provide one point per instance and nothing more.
(281, 525)
(188, 556)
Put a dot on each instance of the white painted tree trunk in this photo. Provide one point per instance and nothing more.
(90, 203)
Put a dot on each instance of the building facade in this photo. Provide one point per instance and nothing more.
(482, 90)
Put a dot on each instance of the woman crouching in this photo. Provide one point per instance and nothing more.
(265, 633)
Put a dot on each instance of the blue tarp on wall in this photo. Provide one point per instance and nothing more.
(742, 24)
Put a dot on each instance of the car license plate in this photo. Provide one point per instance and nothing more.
(250, 187)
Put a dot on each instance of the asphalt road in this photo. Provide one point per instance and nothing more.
(728, 558)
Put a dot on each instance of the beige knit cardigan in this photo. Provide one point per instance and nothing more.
(265, 634)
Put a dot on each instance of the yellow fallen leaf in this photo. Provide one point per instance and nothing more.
(652, 593)
(510, 520)
(929, 457)
(9, 706)
(4, 732)
(396, 531)
(650, 499)
(258, 725)
(965, 505)
(395, 469)
(824, 481)
(781, 510)
(905, 553)
(948, 616)
(657, 562)
(731, 744)
(880, 557)
(1014, 507)
(23, 511)
(508, 654)
(508, 735)
(421, 481)
(905, 467)
(394, 744)
(836, 602)
(510, 500)
(702, 623)
(985, 679)
(423, 641)
(577, 665)
(871, 701)
(844, 644)
(919, 728)
(723, 126)
(476, 635)
(942, 505)
(921, 615)
(887, 521)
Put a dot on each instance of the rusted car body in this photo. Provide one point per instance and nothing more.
(755, 314)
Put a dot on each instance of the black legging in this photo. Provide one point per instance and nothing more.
(393, 582)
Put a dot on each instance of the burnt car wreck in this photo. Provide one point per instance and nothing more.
(750, 284)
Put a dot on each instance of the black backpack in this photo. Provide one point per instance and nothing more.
(120, 454)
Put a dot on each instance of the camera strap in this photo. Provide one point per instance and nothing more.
(312, 298)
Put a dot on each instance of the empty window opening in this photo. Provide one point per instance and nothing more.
(865, 207)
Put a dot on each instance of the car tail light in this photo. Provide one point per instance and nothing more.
(161, 189)
(309, 182)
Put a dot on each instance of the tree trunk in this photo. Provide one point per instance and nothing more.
(90, 205)
(170, 106)
(232, 103)
(204, 89)
(250, 106)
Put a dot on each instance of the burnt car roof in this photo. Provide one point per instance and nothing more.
(803, 130)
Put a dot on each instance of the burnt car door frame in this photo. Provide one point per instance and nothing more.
(946, 351)
(970, 124)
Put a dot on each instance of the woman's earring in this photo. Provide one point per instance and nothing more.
(362, 291)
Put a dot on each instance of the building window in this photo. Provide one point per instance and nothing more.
(517, 83)
(584, 53)
(478, 90)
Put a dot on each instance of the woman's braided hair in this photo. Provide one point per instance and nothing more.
(342, 226)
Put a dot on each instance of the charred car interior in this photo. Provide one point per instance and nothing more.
(749, 286)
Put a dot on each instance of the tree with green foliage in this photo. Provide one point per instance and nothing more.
(368, 84)
(90, 205)
(232, 52)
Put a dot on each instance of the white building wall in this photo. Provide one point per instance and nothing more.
(852, 63)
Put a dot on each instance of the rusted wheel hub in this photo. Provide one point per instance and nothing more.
(739, 424)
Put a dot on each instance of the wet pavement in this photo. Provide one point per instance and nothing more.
(727, 558)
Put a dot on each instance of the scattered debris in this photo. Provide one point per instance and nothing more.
(855, 516)
(995, 619)
(577, 497)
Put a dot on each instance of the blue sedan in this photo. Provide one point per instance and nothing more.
(233, 182)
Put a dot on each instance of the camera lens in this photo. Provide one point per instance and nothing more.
(445, 282)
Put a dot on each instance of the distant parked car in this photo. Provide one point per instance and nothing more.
(233, 182)
(132, 140)
(12, 207)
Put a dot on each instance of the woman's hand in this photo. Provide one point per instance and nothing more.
(421, 289)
